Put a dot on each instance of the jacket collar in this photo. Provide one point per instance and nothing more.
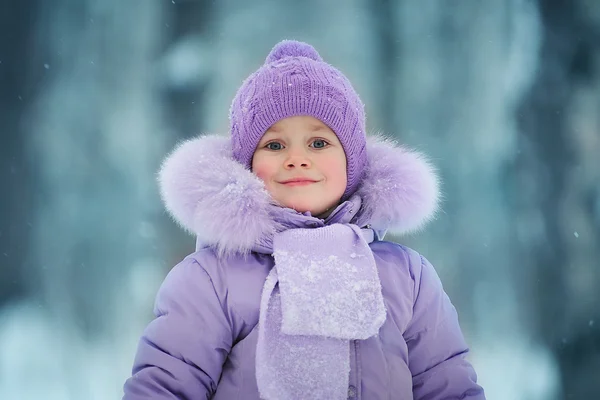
(200, 183)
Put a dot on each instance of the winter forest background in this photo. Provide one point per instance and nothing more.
(503, 95)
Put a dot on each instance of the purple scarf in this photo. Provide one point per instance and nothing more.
(323, 292)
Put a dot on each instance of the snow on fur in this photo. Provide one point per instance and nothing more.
(400, 189)
(214, 197)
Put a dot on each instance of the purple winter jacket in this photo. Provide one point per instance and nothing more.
(202, 344)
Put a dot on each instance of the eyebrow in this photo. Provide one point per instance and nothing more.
(313, 128)
(319, 127)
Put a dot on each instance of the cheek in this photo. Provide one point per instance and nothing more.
(261, 172)
(336, 169)
(264, 170)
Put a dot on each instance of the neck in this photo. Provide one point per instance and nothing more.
(328, 211)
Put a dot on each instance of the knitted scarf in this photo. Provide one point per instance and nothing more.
(323, 292)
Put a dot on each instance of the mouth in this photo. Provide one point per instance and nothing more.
(298, 182)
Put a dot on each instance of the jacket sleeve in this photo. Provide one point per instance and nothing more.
(181, 352)
(436, 346)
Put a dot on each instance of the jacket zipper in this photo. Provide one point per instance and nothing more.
(357, 371)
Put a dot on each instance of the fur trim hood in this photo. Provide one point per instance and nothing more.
(214, 197)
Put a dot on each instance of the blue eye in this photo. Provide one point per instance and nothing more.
(274, 146)
(319, 144)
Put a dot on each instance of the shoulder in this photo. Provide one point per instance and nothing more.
(230, 269)
(398, 267)
(402, 268)
(188, 285)
(196, 278)
(185, 271)
(237, 279)
(195, 267)
(405, 268)
(398, 257)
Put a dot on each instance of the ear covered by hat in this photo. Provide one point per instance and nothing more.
(296, 81)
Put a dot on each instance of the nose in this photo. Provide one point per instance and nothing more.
(297, 158)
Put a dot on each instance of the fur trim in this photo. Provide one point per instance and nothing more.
(200, 183)
(400, 189)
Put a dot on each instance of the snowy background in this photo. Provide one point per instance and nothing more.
(503, 95)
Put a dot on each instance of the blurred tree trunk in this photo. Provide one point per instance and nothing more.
(16, 23)
(559, 202)
(463, 68)
(388, 51)
(95, 140)
(342, 31)
(186, 66)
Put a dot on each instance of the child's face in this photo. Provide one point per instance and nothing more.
(303, 165)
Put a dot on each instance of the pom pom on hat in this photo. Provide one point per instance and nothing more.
(292, 48)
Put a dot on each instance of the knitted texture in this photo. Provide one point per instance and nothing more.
(332, 290)
(313, 303)
(296, 81)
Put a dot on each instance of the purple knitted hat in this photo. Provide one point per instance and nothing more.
(296, 81)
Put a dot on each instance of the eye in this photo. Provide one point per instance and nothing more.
(319, 144)
(274, 146)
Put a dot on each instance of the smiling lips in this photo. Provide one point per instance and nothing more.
(298, 182)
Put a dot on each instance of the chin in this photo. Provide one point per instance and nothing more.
(303, 207)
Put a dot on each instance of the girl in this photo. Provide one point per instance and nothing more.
(292, 292)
